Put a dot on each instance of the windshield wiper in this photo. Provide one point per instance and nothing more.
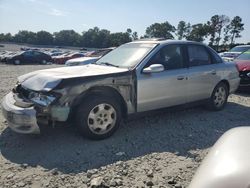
(108, 64)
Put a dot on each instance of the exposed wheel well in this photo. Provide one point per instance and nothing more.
(99, 90)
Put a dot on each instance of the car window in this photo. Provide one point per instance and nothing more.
(37, 53)
(216, 57)
(198, 56)
(170, 57)
(28, 53)
(244, 56)
(240, 49)
(127, 55)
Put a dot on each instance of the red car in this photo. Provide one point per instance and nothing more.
(243, 64)
(63, 58)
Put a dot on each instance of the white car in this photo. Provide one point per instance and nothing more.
(90, 57)
(81, 61)
(227, 164)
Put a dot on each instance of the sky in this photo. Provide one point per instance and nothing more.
(114, 15)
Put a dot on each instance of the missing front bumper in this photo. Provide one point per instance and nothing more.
(21, 120)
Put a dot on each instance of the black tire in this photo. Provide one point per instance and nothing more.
(217, 100)
(17, 62)
(43, 62)
(88, 107)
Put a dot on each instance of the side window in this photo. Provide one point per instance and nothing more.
(27, 54)
(216, 57)
(198, 56)
(170, 57)
(37, 53)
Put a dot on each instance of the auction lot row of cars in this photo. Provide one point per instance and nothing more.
(56, 56)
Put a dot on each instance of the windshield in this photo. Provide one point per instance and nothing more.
(244, 56)
(239, 49)
(127, 55)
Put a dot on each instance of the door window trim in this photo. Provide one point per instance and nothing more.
(206, 49)
(183, 53)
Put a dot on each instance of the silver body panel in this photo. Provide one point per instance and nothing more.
(227, 164)
(165, 89)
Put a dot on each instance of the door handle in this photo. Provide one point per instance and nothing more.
(180, 78)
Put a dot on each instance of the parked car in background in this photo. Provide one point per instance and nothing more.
(61, 59)
(135, 77)
(243, 64)
(227, 163)
(234, 52)
(29, 57)
(6, 55)
(91, 57)
(81, 61)
(56, 54)
(99, 52)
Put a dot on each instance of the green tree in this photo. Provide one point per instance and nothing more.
(96, 38)
(160, 30)
(44, 38)
(119, 38)
(135, 36)
(6, 37)
(236, 27)
(25, 37)
(198, 32)
(67, 38)
(183, 30)
(217, 25)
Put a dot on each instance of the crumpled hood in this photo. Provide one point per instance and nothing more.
(243, 65)
(45, 80)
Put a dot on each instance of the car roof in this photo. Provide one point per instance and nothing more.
(164, 41)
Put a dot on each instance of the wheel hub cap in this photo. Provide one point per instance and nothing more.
(102, 118)
(219, 96)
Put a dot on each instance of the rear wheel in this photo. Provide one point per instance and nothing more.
(17, 62)
(219, 97)
(98, 117)
(43, 62)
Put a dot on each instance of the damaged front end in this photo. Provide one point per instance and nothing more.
(23, 108)
(53, 95)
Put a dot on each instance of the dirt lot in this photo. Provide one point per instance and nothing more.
(161, 150)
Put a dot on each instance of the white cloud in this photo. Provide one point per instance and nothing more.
(56, 12)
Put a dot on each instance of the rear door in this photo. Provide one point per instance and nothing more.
(202, 73)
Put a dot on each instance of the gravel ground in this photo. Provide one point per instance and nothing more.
(158, 150)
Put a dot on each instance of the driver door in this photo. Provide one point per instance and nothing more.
(166, 88)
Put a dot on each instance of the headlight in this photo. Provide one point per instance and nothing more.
(42, 99)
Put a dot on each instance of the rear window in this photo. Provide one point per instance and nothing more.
(240, 49)
(198, 55)
(244, 56)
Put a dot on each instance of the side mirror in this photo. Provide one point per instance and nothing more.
(154, 68)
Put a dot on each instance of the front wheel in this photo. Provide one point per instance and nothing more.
(219, 97)
(98, 117)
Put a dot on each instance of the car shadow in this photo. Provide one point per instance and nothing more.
(163, 131)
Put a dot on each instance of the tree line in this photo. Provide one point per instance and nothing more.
(220, 30)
